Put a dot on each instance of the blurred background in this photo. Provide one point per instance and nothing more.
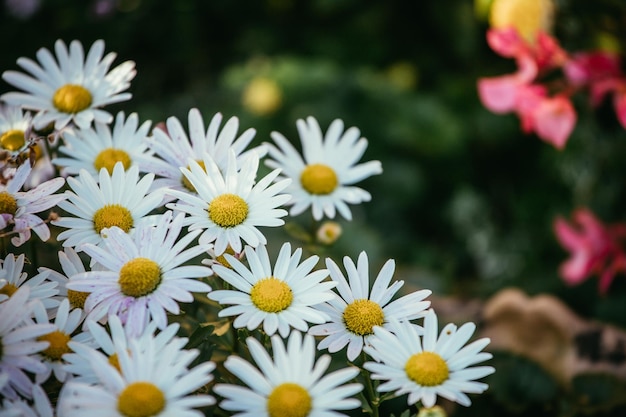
(466, 202)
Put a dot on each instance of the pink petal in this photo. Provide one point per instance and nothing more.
(498, 94)
(555, 119)
(506, 42)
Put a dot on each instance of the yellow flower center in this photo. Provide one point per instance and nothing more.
(319, 179)
(71, 98)
(360, 316)
(271, 295)
(112, 215)
(8, 203)
(527, 16)
(58, 344)
(8, 289)
(109, 157)
(228, 210)
(222, 259)
(139, 277)
(12, 140)
(427, 369)
(140, 399)
(289, 400)
(188, 185)
(77, 298)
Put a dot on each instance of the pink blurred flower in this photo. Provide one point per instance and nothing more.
(595, 249)
(601, 73)
(552, 119)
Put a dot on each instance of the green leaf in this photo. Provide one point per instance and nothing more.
(597, 392)
(520, 383)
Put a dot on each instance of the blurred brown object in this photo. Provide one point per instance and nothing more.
(546, 330)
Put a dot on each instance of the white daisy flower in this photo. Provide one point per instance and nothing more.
(40, 406)
(19, 208)
(95, 148)
(324, 175)
(19, 343)
(175, 147)
(114, 338)
(356, 311)
(147, 383)
(71, 88)
(144, 274)
(292, 384)
(65, 324)
(229, 206)
(40, 287)
(120, 199)
(15, 128)
(71, 264)
(428, 366)
(278, 298)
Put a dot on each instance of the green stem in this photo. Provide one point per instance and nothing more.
(372, 397)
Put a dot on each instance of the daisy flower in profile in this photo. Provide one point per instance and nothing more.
(356, 311)
(279, 298)
(71, 88)
(292, 384)
(100, 147)
(71, 264)
(65, 324)
(427, 366)
(324, 175)
(175, 147)
(40, 287)
(230, 205)
(15, 128)
(146, 383)
(114, 338)
(20, 208)
(144, 275)
(19, 342)
(119, 199)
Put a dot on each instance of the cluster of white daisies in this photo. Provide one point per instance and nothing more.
(145, 216)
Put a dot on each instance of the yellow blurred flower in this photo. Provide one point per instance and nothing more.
(527, 16)
(328, 233)
(262, 96)
(403, 75)
(434, 411)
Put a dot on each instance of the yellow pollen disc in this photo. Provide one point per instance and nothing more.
(77, 298)
(58, 344)
(112, 215)
(271, 295)
(188, 185)
(71, 98)
(222, 259)
(427, 369)
(109, 157)
(319, 179)
(8, 289)
(289, 400)
(141, 399)
(360, 316)
(8, 203)
(228, 210)
(139, 277)
(12, 140)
